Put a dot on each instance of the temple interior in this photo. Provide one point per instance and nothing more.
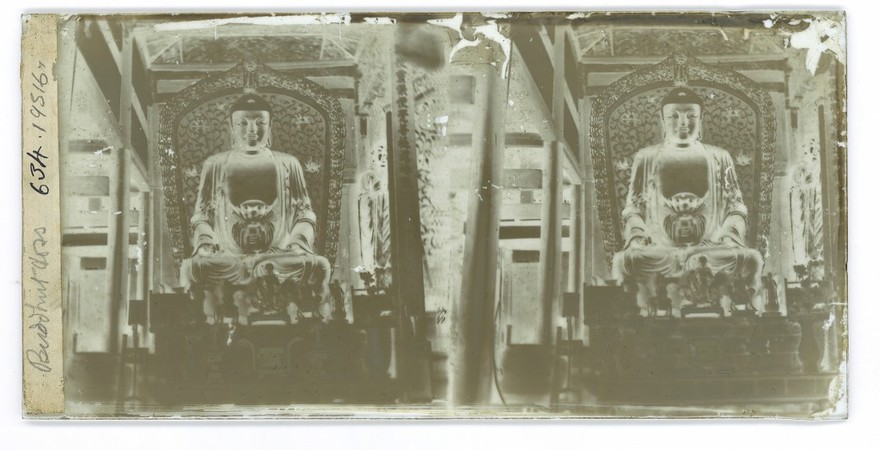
(449, 210)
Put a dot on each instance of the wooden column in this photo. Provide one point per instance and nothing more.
(780, 245)
(472, 370)
(142, 244)
(156, 221)
(830, 193)
(349, 227)
(551, 217)
(117, 245)
(146, 276)
(838, 226)
(118, 228)
(578, 248)
(551, 241)
(596, 265)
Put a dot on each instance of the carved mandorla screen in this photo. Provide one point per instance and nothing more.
(306, 123)
(738, 116)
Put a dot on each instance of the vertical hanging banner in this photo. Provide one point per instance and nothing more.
(43, 382)
(407, 252)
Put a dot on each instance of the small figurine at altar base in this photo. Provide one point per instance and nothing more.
(725, 300)
(290, 297)
(338, 294)
(742, 296)
(228, 310)
(661, 301)
(200, 309)
(269, 291)
(771, 307)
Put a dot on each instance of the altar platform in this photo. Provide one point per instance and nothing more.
(736, 360)
(309, 361)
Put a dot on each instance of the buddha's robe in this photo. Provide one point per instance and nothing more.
(685, 203)
(254, 210)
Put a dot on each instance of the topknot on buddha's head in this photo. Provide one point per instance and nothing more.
(681, 95)
(250, 102)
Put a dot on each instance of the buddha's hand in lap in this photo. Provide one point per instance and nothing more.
(728, 242)
(637, 243)
(295, 251)
(723, 242)
(209, 252)
(206, 250)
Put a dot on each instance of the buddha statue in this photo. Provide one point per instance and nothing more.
(684, 210)
(253, 217)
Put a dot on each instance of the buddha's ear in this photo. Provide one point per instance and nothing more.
(230, 130)
(269, 132)
(662, 126)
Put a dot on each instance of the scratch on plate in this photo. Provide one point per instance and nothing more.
(580, 15)
(380, 20)
(823, 34)
(491, 31)
(301, 19)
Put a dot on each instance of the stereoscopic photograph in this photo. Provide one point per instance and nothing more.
(435, 215)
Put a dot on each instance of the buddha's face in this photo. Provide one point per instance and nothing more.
(250, 130)
(681, 123)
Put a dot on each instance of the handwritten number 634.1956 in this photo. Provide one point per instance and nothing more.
(37, 166)
(40, 80)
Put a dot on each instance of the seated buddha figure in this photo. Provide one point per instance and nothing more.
(684, 206)
(253, 214)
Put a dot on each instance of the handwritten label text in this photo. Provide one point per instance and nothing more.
(37, 159)
(36, 314)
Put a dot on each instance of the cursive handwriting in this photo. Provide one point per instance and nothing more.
(35, 307)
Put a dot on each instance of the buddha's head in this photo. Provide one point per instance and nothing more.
(682, 111)
(250, 117)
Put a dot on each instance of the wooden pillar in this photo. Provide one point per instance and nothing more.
(832, 132)
(474, 352)
(551, 217)
(830, 192)
(349, 227)
(780, 245)
(578, 248)
(146, 257)
(156, 221)
(591, 243)
(836, 185)
(551, 241)
(118, 228)
(143, 261)
(837, 166)
(117, 246)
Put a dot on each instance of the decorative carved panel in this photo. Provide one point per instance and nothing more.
(607, 42)
(430, 103)
(270, 49)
